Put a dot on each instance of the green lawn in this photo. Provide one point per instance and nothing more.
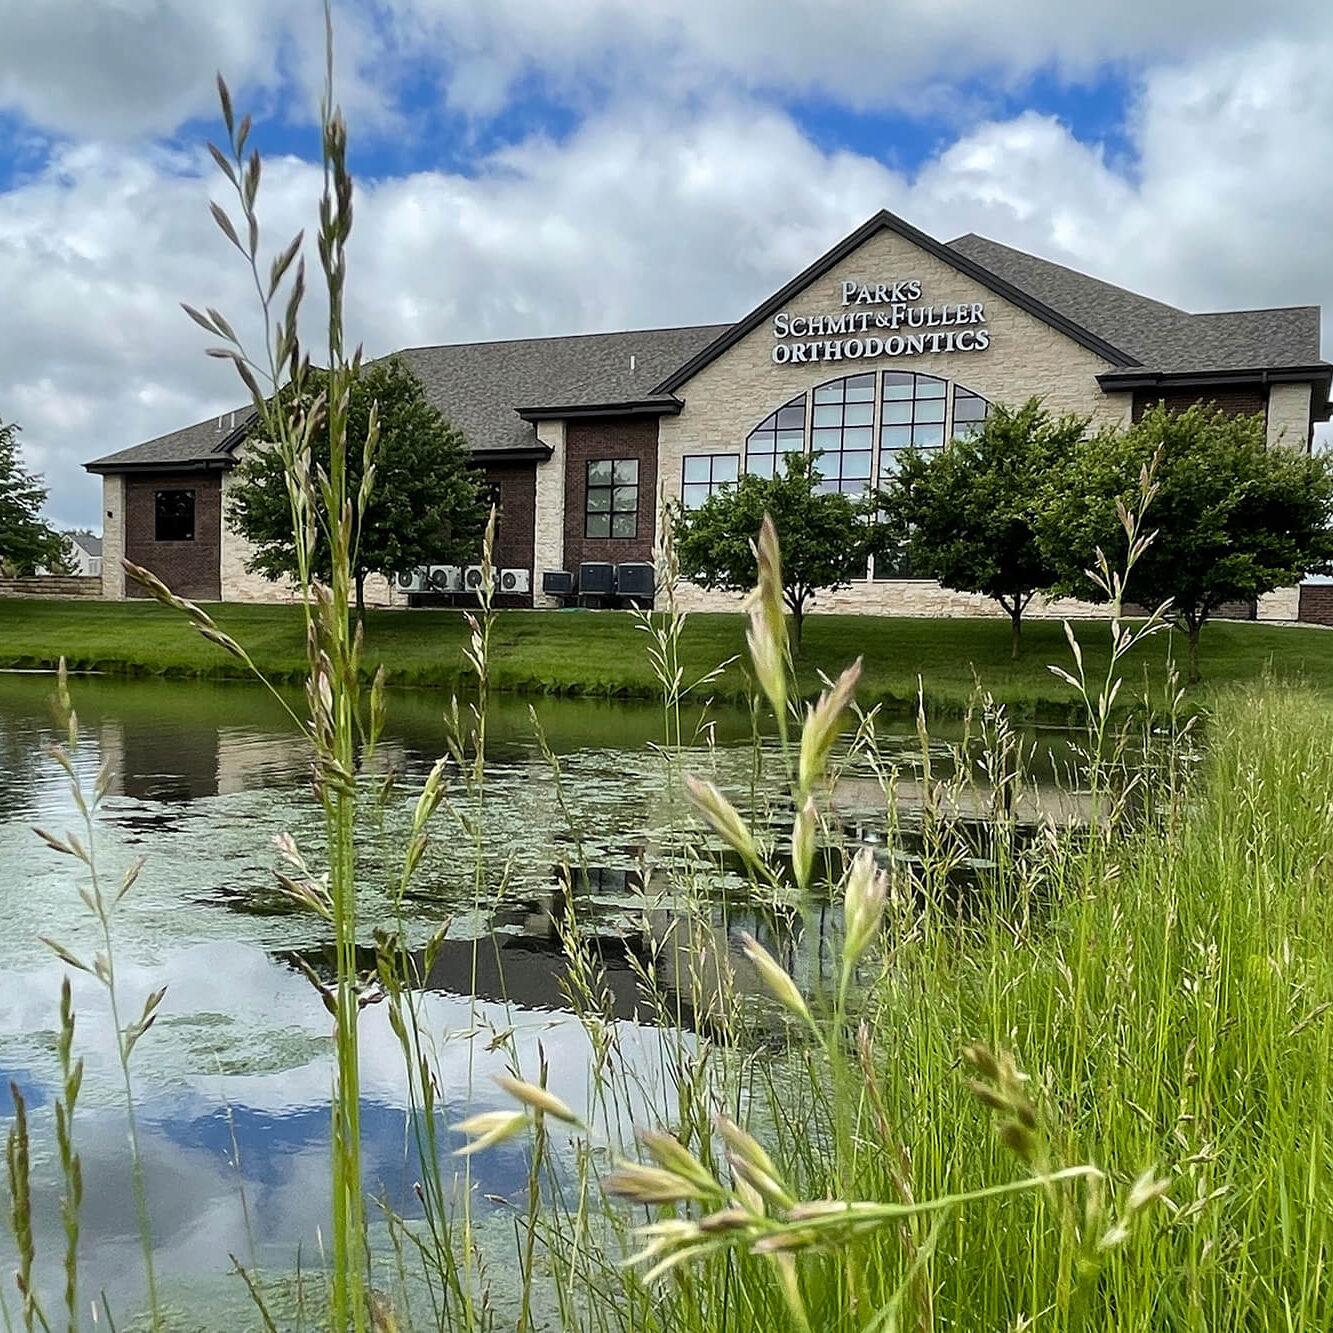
(603, 653)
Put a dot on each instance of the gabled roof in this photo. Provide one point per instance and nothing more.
(206, 444)
(1160, 337)
(886, 221)
(89, 544)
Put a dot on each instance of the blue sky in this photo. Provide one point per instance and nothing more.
(528, 168)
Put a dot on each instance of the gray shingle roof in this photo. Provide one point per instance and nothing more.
(1161, 336)
(92, 545)
(480, 386)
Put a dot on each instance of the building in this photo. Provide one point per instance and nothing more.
(87, 554)
(890, 340)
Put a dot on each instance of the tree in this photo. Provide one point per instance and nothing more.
(427, 505)
(966, 514)
(26, 541)
(1233, 517)
(825, 537)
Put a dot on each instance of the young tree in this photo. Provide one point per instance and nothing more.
(26, 541)
(1233, 518)
(825, 538)
(966, 514)
(427, 506)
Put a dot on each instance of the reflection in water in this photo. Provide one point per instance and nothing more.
(233, 1082)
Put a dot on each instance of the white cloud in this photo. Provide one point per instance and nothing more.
(650, 213)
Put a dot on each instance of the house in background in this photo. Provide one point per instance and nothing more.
(891, 340)
(86, 554)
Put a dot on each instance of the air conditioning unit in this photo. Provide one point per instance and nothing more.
(557, 583)
(446, 578)
(597, 579)
(636, 579)
(472, 579)
(412, 580)
(515, 580)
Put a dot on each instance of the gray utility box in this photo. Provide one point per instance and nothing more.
(596, 579)
(557, 583)
(635, 579)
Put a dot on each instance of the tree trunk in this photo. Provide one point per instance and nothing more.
(1192, 676)
(797, 621)
(1015, 634)
(361, 595)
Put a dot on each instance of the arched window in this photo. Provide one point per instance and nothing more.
(911, 416)
(842, 431)
(969, 411)
(777, 435)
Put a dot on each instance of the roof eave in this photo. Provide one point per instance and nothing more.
(884, 220)
(666, 405)
(112, 466)
(1319, 372)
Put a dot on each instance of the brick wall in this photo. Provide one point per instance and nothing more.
(614, 438)
(517, 487)
(1235, 402)
(192, 569)
(1317, 604)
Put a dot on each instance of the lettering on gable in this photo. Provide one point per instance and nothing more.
(881, 319)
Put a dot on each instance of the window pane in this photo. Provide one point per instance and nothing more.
(695, 494)
(599, 499)
(697, 467)
(857, 437)
(791, 418)
(931, 410)
(929, 387)
(829, 393)
(897, 384)
(856, 467)
(173, 516)
(726, 467)
(626, 471)
(760, 465)
(896, 437)
(599, 525)
(925, 437)
(626, 499)
(825, 439)
(790, 441)
(829, 414)
(897, 413)
(859, 414)
(624, 525)
(599, 473)
(861, 388)
(888, 463)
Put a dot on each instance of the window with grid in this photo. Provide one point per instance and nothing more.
(702, 474)
(173, 516)
(969, 411)
(612, 506)
(842, 432)
(776, 436)
(911, 416)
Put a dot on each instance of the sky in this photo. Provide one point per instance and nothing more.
(527, 167)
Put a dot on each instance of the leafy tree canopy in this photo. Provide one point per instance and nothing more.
(26, 541)
(1234, 518)
(825, 537)
(967, 514)
(427, 506)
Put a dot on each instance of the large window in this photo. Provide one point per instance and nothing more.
(911, 416)
(776, 436)
(969, 411)
(173, 516)
(613, 498)
(703, 474)
(842, 431)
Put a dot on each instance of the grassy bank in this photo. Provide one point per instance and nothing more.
(603, 654)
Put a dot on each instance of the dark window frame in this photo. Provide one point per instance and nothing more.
(714, 483)
(613, 490)
(961, 393)
(886, 450)
(162, 518)
(761, 444)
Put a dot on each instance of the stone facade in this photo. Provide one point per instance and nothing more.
(549, 503)
(113, 536)
(1289, 415)
(727, 398)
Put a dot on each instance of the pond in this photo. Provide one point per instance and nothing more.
(232, 1083)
